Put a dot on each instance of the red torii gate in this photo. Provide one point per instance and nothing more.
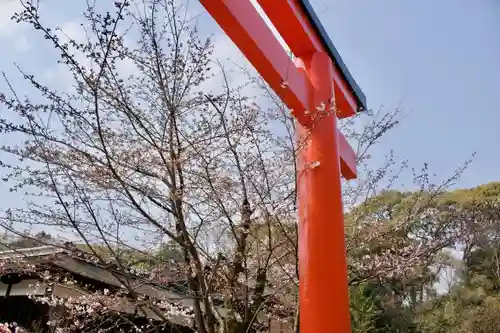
(318, 88)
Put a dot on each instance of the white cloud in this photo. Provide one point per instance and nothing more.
(72, 30)
(225, 50)
(8, 8)
(233, 63)
(11, 31)
(232, 59)
(22, 44)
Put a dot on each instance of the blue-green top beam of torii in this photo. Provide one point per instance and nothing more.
(334, 54)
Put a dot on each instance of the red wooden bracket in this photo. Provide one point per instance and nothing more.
(247, 29)
(296, 30)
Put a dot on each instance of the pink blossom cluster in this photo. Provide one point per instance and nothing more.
(10, 328)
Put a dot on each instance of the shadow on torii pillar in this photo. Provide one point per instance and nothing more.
(318, 89)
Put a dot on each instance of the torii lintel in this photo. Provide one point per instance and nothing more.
(313, 84)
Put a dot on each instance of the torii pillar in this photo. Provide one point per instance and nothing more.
(318, 88)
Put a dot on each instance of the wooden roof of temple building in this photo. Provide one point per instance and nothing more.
(17, 281)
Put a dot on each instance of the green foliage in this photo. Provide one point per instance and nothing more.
(466, 220)
(39, 239)
(364, 310)
(170, 252)
(373, 310)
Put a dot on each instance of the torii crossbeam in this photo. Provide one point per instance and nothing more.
(319, 89)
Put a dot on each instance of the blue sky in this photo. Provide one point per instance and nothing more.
(439, 60)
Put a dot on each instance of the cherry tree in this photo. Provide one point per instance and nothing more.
(145, 148)
(127, 160)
